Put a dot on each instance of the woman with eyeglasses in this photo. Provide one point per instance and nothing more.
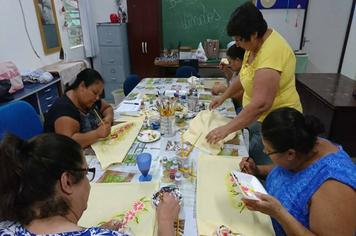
(312, 184)
(266, 77)
(75, 114)
(44, 189)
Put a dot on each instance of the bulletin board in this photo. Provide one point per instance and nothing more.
(281, 4)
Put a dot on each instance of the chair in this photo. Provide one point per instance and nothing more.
(186, 72)
(21, 119)
(130, 83)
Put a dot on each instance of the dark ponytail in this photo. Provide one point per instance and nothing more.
(89, 76)
(30, 172)
(286, 128)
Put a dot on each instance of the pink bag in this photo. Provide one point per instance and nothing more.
(8, 70)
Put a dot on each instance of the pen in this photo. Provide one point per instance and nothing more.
(133, 103)
(101, 120)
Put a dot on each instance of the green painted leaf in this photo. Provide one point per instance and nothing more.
(144, 209)
(136, 219)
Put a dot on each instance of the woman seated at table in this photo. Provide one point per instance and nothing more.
(44, 189)
(75, 114)
(235, 56)
(266, 77)
(312, 186)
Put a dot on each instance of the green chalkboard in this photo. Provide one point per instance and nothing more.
(194, 21)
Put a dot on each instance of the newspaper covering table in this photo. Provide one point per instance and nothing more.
(127, 171)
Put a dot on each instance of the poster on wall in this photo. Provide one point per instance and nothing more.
(281, 4)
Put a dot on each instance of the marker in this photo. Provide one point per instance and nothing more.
(133, 103)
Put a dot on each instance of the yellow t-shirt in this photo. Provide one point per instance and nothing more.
(275, 53)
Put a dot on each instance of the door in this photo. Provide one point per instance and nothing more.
(135, 30)
(144, 36)
(324, 34)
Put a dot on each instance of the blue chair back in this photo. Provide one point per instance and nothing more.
(186, 72)
(21, 119)
(130, 83)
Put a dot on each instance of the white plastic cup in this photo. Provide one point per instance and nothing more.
(118, 95)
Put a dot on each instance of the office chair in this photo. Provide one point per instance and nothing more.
(186, 72)
(130, 83)
(21, 119)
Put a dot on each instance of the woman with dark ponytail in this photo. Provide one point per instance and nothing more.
(44, 189)
(312, 183)
(74, 114)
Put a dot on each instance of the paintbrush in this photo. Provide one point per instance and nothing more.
(181, 130)
(102, 122)
(191, 148)
(243, 168)
(191, 171)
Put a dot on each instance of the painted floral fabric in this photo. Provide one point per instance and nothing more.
(16, 229)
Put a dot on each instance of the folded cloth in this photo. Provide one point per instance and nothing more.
(203, 123)
(127, 202)
(114, 148)
(219, 201)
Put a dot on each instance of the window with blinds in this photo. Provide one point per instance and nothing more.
(74, 27)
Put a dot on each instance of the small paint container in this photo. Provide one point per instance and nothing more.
(180, 159)
(154, 122)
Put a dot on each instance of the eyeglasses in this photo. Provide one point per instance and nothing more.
(90, 172)
(237, 40)
(269, 153)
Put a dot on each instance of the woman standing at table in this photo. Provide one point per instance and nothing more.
(266, 76)
(312, 188)
(74, 114)
(44, 189)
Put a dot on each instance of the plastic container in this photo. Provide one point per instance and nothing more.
(118, 95)
(167, 126)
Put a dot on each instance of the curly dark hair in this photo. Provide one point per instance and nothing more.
(245, 21)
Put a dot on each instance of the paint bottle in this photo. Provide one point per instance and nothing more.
(169, 163)
(172, 172)
(178, 178)
(164, 162)
(175, 164)
(186, 170)
(142, 106)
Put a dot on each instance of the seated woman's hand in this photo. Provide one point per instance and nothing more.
(168, 208)
(248, 165)
(268, 205)
(218, 89)
(112, 225)
(223, 67)
(103, 130)
(215, 103)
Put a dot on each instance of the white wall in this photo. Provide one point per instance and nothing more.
(276, 19)
(349, 64)
(14, 44)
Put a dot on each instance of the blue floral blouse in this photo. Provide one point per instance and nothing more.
(10, 229)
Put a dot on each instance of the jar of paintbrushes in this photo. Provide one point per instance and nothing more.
(166, 108)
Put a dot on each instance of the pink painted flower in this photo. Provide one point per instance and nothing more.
(120, 131)
(232, 180)
(127, 126)
(130, 215)
(138, 206)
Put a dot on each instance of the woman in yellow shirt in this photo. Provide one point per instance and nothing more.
(266, 77)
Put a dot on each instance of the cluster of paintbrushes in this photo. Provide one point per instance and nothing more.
(166, 106)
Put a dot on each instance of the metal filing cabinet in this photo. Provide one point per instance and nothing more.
(114, 56)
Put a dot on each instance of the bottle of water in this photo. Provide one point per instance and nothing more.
(214, 54)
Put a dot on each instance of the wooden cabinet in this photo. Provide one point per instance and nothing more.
(114, 56)
(329, 97)
(144, 27)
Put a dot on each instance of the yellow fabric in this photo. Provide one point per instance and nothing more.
(216, 203)
(109, 200)
(275, 53)
(114, 149)
(205, 122)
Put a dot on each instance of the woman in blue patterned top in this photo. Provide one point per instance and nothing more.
(312, 183)
(44, 191)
